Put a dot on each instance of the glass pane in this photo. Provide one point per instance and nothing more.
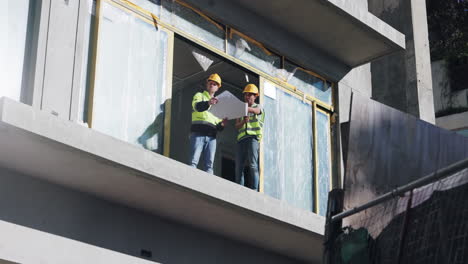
(309, 83)
(324, 160)
(130, 79)
(288, 149)
(253, 53)
(193, 23)
(13, 27)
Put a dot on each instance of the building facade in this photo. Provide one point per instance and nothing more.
(95, 118)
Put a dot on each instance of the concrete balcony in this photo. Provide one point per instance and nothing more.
(64, 153)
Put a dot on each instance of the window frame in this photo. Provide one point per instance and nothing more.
(316, 104)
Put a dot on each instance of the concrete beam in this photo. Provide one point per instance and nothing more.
(403, 80)
(19, 244)
(65, 153)
(453, 122)
(329, 36)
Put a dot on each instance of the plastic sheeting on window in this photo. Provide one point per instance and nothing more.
(309, 83)
(285, 75)
(288, 150)
(323, 160)
(252, 53)
(193, 22)
(202, 59)
(130, 79)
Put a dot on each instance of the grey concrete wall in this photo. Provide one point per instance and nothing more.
(53, 209)
(388, 148)
(359, 81)
(444, 98)
(362, 3)
(46, 248)
(403, 80)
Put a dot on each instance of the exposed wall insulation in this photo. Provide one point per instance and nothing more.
(194, 23)
(153, 6)
(252, 53)
(309, 83)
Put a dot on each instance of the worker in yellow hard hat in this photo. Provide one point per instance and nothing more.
(205, 125)
(248, 138)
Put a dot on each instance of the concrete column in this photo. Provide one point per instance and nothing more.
(358, 80)
(403, 80)
(362, 3)
(60, 57)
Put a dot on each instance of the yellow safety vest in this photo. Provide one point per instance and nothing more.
(253, 127)
(205, 117)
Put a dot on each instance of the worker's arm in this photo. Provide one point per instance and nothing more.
(199, 105)
(220, 126)
(241, 121)
(202, 106)
(254, 110)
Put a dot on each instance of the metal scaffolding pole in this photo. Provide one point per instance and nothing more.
(437, 175)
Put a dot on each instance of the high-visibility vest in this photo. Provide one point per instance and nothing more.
(253, 127)
(205, 117)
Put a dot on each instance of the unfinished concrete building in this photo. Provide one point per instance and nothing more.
(95, 117)
(448, 27)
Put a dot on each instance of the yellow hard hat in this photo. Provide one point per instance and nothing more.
(215, 78)
(251, 88)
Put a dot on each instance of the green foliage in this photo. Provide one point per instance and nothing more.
(448, 29)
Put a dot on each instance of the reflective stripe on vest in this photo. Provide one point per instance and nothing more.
(253, 127)
(205, 117)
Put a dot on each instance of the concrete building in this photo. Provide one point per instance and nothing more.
(95, 116)
(449, 63)
(451, 104)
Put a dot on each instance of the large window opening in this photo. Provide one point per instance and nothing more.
(192, 66)
(144, 74)
(128, 92)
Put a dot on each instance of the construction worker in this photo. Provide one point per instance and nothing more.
(250, 133)
(205, 125)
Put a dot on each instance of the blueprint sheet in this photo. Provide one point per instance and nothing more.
(229, 106)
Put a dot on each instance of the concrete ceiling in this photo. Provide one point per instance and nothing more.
(187, 70)
(326, 27)
(328, 36)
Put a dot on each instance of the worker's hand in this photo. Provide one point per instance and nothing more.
(246, 119)
(224, 122)
(213, 101)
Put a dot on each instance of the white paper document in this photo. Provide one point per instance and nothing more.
(229, 106)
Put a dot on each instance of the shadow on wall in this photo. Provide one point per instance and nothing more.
(153, 136)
